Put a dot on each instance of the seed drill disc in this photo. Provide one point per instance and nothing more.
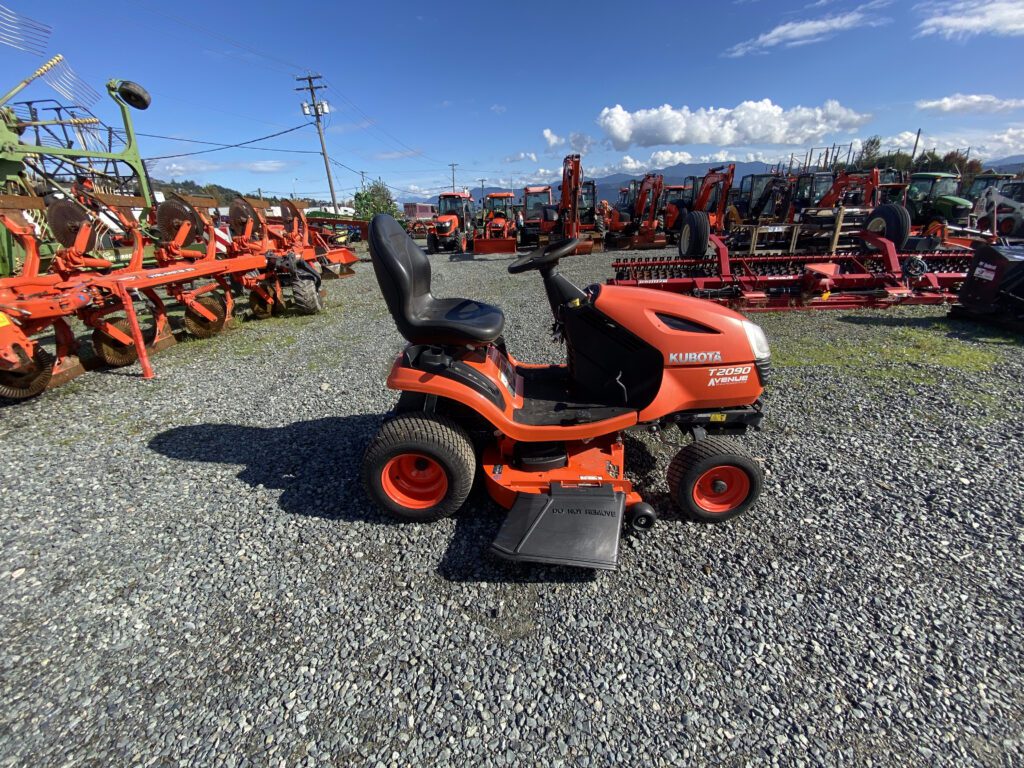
(66, 219)
(241, 213)
(174, 212)
(289, 214)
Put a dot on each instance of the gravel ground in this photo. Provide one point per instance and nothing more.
(191, 574)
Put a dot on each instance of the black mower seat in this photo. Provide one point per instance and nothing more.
(403, 272)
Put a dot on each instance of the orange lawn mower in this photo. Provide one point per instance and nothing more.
(499, 227)
(548, 439)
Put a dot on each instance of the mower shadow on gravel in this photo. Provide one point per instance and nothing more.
(316, 466)
(315, 463)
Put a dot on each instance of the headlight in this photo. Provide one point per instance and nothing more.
(758, 341)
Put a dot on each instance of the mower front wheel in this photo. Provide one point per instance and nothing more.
(714, 479)
(419, 468)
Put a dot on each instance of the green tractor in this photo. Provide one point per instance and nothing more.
(933, 196)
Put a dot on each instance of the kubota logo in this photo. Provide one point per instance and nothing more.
(683, 358)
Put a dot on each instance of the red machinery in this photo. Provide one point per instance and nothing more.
(452, 227)
(672, 207)
(499, 226)
(635, 225)
(538, 207)
(707, 214)
(566, 223)
(929, 272)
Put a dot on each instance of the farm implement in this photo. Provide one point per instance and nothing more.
(86, 243)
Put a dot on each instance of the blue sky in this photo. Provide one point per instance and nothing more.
(414, 86)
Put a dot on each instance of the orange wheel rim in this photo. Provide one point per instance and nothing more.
(721, 489)
(414, 480)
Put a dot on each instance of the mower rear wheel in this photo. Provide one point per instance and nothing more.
(306, 296)
(21, 385)
(201, 327)
(891, 221)
(113, 352)
(419, 467)
(714, 479)
(694, 235)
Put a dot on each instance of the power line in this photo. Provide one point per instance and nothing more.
(227, 146)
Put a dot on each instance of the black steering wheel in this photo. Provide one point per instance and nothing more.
(542, 258)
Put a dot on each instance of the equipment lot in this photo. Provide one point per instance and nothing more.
(192, 572)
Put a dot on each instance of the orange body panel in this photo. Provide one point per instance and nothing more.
(701, 370)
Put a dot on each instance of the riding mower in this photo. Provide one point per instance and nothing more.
(548, 438)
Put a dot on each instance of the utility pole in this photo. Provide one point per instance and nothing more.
(316, 109)
(916, 139)
(482, 191)
(362, 182)
(452, 165)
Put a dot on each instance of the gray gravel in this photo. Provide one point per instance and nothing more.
(191, 574)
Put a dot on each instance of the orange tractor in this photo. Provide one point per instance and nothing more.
(633, 222)
(538, 207)
(499, 225)
(452, 226)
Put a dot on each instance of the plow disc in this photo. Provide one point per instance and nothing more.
(203, 327)
(172, 214)
(67, 219)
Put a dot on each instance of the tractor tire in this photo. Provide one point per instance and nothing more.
(21, 385)
(306, 296)
(714, 479)
(694, 234)
(113, 352)
(134, 95)
(419, 468)
(891, 221)
(199, 326)
(431, 243)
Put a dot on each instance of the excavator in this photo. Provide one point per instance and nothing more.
(566, 224)
(708, 212)
(633, 223)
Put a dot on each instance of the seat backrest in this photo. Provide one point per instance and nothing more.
(402, 269)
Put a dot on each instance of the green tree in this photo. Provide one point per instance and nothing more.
(869, 150)
(376, 198)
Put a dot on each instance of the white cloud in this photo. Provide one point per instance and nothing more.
(666, 157)
(263, 166)
(581, 142)
(498, 108)
(793, 33)
(967, 18)
(971, 102)
(751, 122)
(398, 154)
(518, 157)
(551, 138)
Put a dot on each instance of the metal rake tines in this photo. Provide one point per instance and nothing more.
(64, 81)
(23, 33)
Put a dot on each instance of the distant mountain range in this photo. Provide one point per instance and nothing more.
(608, 186)
(1011, 164)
